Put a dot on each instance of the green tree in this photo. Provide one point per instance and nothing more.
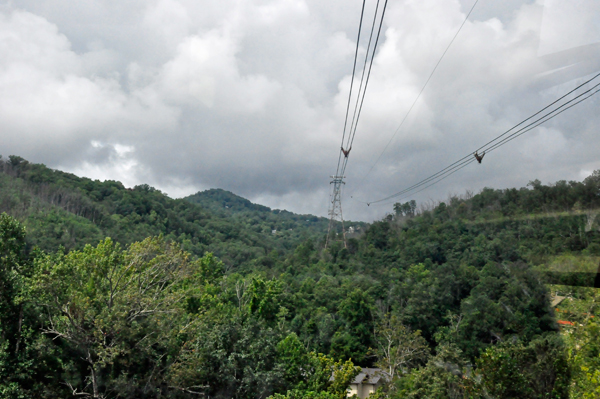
(444, 376)
(398, 348)
(264, 298)
(292, 355)
(406, 209)
(27, 368)
(584, 357)
(355, 338)
(323, 378)
(12, 243)
(105, 303)
(537, 370)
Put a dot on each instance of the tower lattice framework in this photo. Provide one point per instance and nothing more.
(335, 209)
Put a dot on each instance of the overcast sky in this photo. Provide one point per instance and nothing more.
(250, 95)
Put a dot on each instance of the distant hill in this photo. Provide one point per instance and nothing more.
(227, 204)
(61, 209)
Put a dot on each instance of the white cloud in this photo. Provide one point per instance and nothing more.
(569, 24)
(205, 70)
(250, 96)
(120, 163)
(52, 106)
(543, 145)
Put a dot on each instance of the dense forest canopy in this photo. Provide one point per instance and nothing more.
(61, 209)
(213, 296)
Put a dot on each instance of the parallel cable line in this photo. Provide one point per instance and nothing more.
(467, 159)
(512, 137)
(355, 122)
(543, 109)
(362, 77)
(362, 87)
(464, 164)
(420, 92)
(503, 134)
(362, 12)
(447, 171)
(454, 167)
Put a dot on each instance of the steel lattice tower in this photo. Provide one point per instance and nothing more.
(335, 208)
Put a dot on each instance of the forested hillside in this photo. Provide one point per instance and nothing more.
(452, 300)
(263, 219)
(61, 209)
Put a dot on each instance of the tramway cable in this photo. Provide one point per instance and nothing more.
(362, 12)
(508, 131)
(464, 161)
(520, 131)
(362, 89)
(440, 178)
(513, 136)
(545, 108)
(354, 125)
(335, 207)
(420, 92)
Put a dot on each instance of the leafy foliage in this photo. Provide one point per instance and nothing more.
(450, 299)
(61, 209)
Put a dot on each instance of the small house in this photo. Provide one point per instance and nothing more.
(367, 382)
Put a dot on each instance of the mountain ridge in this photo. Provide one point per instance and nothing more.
(62, 209)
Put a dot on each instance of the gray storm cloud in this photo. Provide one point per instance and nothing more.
(250, 96)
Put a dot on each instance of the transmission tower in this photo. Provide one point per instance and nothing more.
(335, 208)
